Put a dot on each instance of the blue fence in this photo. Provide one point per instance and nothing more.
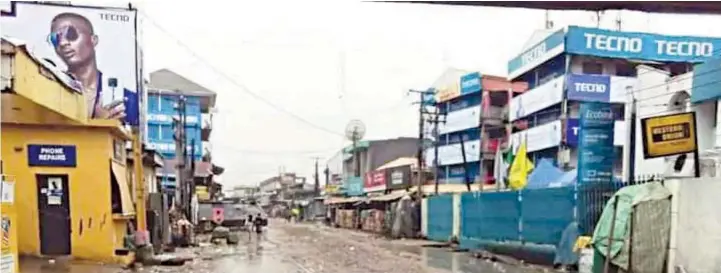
(535, 216)
(440, 218)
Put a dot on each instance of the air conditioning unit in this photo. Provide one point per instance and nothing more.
(678, 166)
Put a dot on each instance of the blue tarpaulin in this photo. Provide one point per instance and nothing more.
(543, 175)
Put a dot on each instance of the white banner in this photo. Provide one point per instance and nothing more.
(537, 99)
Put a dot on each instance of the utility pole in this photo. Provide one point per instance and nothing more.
(316, 188)
(180, 154)
(421, 139)
(436, 142)
(421, 142)
(632, 142)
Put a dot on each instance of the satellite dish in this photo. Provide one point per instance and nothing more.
(355, 130)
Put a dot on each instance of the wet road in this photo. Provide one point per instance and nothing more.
(301, 248)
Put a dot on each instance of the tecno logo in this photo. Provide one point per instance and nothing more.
(599, 115)
(590, 87)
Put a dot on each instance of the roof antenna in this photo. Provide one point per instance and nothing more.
(548, 22)
(618, 20)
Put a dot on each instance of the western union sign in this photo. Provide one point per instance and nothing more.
(669, 135)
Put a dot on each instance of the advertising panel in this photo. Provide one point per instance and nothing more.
(572, 128)
(398, 178)
(588, 88)
(538, 54)
(374, 181)
(669, 135)
(448, 92)
(353, 186)
(537, 99)
(640, 46)
(96, 47)
(595, 149)
(470, 83)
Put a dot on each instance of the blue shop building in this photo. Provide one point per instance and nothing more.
(164, 91)
(578, 64)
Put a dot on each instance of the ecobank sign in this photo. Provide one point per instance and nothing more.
(641, 46)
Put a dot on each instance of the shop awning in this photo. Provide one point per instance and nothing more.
(121, 177)
(342, 200)
(390, 197)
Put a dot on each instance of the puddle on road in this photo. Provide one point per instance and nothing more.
(463, 262)
(248, 256)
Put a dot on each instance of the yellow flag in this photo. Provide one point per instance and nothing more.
(521, 166)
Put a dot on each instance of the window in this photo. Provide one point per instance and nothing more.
(154, 131)
(625, 70)
(166, 131)
(153, 103)
(592, 68)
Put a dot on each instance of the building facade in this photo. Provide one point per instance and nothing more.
(365, 157)
(568, 67)
(164, 90)
(474, 108)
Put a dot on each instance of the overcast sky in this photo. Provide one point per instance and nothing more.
(336, 60)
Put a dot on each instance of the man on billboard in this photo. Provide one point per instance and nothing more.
(74, 39)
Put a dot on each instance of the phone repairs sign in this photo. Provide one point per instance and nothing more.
(669, 135)
(52, 155)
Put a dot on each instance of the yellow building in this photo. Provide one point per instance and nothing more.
(9, 244)
(72, 193)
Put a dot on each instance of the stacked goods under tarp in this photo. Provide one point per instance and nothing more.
(346, 218)
(638, 219)
(373, 221)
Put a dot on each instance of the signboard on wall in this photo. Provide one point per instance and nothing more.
(470, 83)
(595, 148)
(669, 135)
(52, 155)
(398, 177)
(640, 46)
(374, 181)
(78, 40)
(588, 88)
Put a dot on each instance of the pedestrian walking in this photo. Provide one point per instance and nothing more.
(258, 223)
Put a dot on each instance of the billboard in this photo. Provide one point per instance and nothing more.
(669, 135)
(95, 46)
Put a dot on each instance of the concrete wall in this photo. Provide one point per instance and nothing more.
(695, 224)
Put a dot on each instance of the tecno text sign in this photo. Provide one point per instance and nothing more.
(588, 88)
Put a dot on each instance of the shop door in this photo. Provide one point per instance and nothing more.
(54, 213)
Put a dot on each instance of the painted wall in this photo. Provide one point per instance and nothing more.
(695, 223)
(160, 124)
(89, 188)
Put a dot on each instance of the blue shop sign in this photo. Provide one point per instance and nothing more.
(52, 155)
(640, 46)
(536, 55)
(706, 85)
(429, 97)
(595, 148)
(588, 88)
(354, 186)
(470, 83)
(572, 128)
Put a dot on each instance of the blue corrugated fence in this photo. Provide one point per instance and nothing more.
(440, 217)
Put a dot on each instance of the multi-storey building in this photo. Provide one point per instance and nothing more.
(474, 108)
(576, 64)
(164, 90)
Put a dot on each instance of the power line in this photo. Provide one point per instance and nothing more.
(241, 86)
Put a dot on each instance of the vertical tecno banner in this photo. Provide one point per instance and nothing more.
(94, 46)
